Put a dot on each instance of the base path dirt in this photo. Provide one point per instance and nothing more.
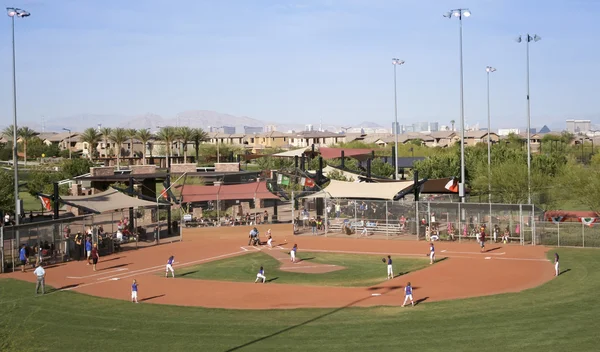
(301, 265)
(463, 272)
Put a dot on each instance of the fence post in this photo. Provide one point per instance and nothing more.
(459, 225)
(533, 232)
(521, 227)
(293, 218)
(2, 248)
(12, 252)
(326, 215)
(387, 225)
(417, 219)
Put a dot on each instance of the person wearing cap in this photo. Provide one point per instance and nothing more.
(40, 273)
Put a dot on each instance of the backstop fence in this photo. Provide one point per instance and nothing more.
(53, 241)
(316, 214)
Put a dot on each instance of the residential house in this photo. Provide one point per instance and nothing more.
(318, 138)
(474, 137)
(444, 139)
(66, 141)
(273, 139)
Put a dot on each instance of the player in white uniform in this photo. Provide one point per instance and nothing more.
(556, 266)
(431, 253)
(408, 295)
(293, 253)
(261, 275)
(169, 267)
(270, 239)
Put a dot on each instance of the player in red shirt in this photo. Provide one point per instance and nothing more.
(482, 239)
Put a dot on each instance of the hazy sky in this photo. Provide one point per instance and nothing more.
(301, 60)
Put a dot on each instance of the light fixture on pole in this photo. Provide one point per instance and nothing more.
(396, 62)
(460, 13)
(528, 38)
(489, 70)
(13, 12)
(68, 130)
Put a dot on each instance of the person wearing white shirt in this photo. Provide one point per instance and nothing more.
(40, 273)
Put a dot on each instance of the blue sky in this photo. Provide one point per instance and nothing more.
(299, 61)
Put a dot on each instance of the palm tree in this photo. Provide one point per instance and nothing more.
(91, 137)
(105, 131)
(167, 134)
(118, 136)
(131, 132)
(26, 135)
(185, 135)
(8, 133)
(143, 136)
(198, 136)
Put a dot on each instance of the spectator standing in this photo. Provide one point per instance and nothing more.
(40, 273)
(23, 258)
(88, 249)
(95, 256)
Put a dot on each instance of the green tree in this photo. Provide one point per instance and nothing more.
(144, 136)
(7, 201)
(118, 136)
(41, 180)
(75, 167)
(8, 133)
(198, 137)
(168, 135)
(26, 134)
(105, 132)
(131, 133)
(91, 137)
(380, 168)
(339, 176)
(185, 135)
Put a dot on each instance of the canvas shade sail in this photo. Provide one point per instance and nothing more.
(362, 190)
(108, 200)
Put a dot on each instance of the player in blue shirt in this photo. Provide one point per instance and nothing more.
(134, 292)
(169, 267)
(23, 257)
(390, 270)
(431, 253)
(408, 295)
(88, 250)
(293, 253)
(556, 266)
(261, 275)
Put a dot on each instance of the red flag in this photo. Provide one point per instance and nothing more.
(309, 182)
(46, 204)
(452, 185)
(163, 194)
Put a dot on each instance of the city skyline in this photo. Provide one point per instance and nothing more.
(291, 61)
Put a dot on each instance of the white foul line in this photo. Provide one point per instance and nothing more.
(104, 273)
(151, 269)
(244, 249)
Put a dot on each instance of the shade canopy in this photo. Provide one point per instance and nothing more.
(246, 191)
(290, 153)
(333, 153)
(108, 200)
(362, 190)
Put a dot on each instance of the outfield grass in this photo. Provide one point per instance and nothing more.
(360, 270)
(561, 315)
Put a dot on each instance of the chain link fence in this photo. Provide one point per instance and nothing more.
(54, 241)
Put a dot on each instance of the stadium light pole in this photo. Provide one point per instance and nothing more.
(528, 38)
(460, 13)
(13, 12)
(396, 62)
(489, 70)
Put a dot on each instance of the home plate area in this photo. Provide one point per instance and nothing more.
(301, 265)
